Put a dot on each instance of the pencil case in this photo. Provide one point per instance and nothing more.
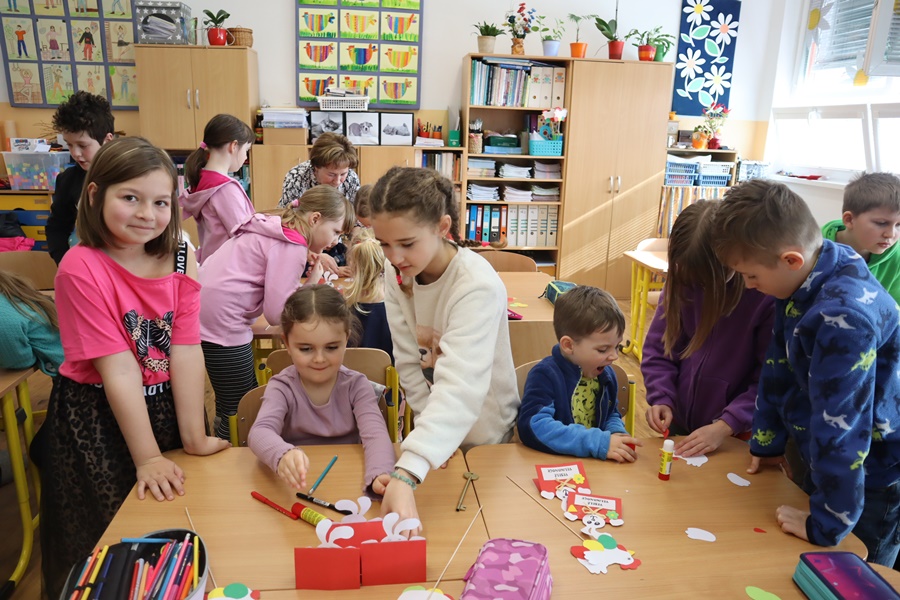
(509, 569)
(118, 578)
(557, 288)
(840, 576)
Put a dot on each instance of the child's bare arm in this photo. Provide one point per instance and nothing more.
(186, 369)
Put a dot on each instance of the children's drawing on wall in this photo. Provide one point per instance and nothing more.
(86, 35)
(50, 7)
(123, 84)
(362, 128)
(312, 85)
(398, 90)
(359, 24)
(119, 39)
(19, 36)
(360, 3)
(399, 58)
(117, 9)
(359, 57)
(321, 2)
(407, 4)
(83, 8)
(58, 83)
(15, 6)
(91, 79)
(318, 23)
(399, 27)
(318, 55)
(25, 85)
(368, 85)
(54, 39)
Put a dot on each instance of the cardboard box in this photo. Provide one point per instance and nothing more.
(161, 22)
(285, 136)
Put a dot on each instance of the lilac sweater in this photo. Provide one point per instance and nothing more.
(218, 205)
(719, 380)
(288, 419)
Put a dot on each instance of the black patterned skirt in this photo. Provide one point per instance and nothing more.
(88, 471)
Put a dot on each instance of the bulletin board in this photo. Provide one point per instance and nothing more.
(53, 48)
(371, 45)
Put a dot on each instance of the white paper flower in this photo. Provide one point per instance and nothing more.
(717, 80)
(689, 63)
(724, 29)
(696, 11)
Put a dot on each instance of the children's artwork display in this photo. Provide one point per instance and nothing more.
(53, 48)
(372, 46)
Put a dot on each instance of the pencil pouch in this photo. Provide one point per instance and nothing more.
(840, 576)
(509, 569)
(557, 288)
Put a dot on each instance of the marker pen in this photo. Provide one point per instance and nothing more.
(665, 459)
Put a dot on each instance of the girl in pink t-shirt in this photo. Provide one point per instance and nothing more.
(131, 385)
(216, 201)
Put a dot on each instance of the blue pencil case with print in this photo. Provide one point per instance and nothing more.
(840, 576)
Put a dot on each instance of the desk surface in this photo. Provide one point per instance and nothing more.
(656, 514)
(9, 379)
(656, 261)
(253, 544)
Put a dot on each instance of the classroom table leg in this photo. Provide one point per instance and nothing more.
(642, 318)
(635, 305)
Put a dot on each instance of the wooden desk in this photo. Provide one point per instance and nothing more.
(656, 514)
(645, 264)
(381, 592)
(253, 544)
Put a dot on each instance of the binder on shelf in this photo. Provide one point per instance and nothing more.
(522, 236)
(478, 221)
(546, 87)
(558, 87)
(503, 217)
(552, 225)
(495, 224)
(543, 215)
(486, 225)
(473, 216)
(534, 89)
(512, 226)
(532, 237)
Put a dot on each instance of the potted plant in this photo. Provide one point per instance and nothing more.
(579, 48)
(609, 29)
(487, 36)
(520, 23)
(216, 34)
(550, 34)
(663, 42)
(644, 42)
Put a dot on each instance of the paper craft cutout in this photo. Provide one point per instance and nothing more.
(694, 461)
(234, 591)
(759, 594)
(357, 509)
(759, 530)
(594, 511)
(417, 592)
(738, 480)
(700, 534)
(553, 480)
(598, 555)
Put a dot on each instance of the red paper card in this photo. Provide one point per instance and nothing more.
(327, 568)
(393, 562)
(362, 532)
(557, 480)
(579, 505)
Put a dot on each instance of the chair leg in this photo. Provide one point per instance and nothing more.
(632, 402)
(21, 483)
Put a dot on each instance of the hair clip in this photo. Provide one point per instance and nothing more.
(295, 203)
(203, 146)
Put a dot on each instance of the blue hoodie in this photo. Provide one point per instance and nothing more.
(831, 382)
(545, 419)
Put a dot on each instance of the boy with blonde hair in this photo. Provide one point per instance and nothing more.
(830, 376)
(569, 405)
(870, 224)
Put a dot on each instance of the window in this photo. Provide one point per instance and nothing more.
(823, 137)
(883, 50)
(886, 129)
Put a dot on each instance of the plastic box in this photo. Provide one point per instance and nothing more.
(545, 147)
(349, 103)
(714, 180)
(680, 179)
(34, 170)
(716, 168)
(680, 168)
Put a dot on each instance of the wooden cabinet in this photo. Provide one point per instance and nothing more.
(183, 87)
(268, 166)
(374, 161)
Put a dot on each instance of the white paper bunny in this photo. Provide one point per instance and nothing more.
(338, 533)
(591, 524)
(394, 529)
(358, 509)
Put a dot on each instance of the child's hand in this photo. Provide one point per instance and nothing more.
(328, 262)
(619, 450)
(447, 462)
(159, 475)
(344, 272)
(399, 498)
(380, 483)
(315, 273)
(704, 440)
(207, 445)
(659, 417)
(292, 468)
(774, 461)
(792, 520)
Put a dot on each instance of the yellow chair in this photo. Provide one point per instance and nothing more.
(626, 396)
(275, 363)
(648, 271)
(248, 409)
(509, 261)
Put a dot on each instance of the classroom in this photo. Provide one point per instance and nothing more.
(503, 388)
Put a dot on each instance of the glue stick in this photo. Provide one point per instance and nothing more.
(307, 514)
(665, 460)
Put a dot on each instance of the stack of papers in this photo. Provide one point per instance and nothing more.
(547, 170)
(545, 194)
(482, 193)
(429, 142)
(481, 167)
(284, 117)
(511, 194)
(510, 171)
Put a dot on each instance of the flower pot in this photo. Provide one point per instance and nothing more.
(615, 49)
(647, 52)
(518, 46)
(699, 140)
(217, 36)
(579, 49)
(714, 143)
(486, 44)
(551, 47)
(660, 53)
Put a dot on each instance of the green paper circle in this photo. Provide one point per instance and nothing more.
(236, 590)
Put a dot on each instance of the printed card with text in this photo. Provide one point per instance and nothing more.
(579, 506)
(558, 480)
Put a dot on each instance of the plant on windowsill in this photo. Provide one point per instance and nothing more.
(487, 36)
(520, 23)
(663, 42)
(551, 34)
(609, 29)
(215, 33)
(644, 42)
(579, 48)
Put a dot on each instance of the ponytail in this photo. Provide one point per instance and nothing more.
(220, 131)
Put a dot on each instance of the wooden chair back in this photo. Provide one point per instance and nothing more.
(189, 225)
(521, 376)
(509, 261)
(248, 409)
(276, 362)
(626, 396)
(35, 266)
(376, 365)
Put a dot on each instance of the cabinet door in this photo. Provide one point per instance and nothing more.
(167, 106)
(223, 84)
(374, 161)
(268, 166)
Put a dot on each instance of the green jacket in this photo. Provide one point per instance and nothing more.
(28, 340)
(885, 267)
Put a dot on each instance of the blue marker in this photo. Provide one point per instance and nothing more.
(322, 476)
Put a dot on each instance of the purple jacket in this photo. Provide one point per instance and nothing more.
(719, 380)
(218, 211)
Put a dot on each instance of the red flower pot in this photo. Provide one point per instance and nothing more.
(217, 36)
(647, 52)
(615, 49)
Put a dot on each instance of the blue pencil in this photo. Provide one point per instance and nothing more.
(146, 540)
(106, 563)
(322, 476)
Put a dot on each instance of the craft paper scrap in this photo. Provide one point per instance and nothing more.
(694, 461)
(598, 555)
(234, 591)
(581, 506)
(700, 534)
(418, 592)
(738, 480)
(760, 594)
(558, 480)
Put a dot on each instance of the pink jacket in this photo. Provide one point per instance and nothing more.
(217, 210)
(253, 273)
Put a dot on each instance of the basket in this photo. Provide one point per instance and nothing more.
(716, 168)
(545, 147)
(714, 180)
(347, 103)
(680, 168)
(680, 179)
(242, 36)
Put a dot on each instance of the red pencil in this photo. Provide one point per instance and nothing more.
(268, 502)
(135, 578)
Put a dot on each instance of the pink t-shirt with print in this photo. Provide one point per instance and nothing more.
(104, 309)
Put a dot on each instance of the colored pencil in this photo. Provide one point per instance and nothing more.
(322, 476)
(142, 580)
(85, 572)
(196, 560)
(158, 569)
(268, 502)
(90, 584)
(184, 576)
(172, 563)
(180, 567)
(135, 577)
(146, 540)
(109, 556)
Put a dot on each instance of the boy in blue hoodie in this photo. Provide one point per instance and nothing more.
(830, 376)
(569, 405)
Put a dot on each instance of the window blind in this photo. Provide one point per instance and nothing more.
(847, 32)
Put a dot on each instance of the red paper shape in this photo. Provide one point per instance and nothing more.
(587, 503)
(393, 562)
(758, 530)
(327, 568)
(552, 478)
(362, 532)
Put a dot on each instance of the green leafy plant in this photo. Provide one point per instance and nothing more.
(609, 29)
(488, 29)
(663, 42)
(577, 19)
(215, 20)
(643, 38)
(548, 31)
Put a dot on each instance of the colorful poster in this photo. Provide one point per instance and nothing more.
(86, 39)
(359, 57)
(359, 24)
(15, 7)
(319, 55)
(399, 58)
(398, 90)
(406, 4)
(83, 8)
(90, 78)
(26, 87)
(119, 38)
(312, 85)
(360, 3)
(50, 7)
(399, 27)
(366, 83)
(317, 23)
(123, 85)
(58, 83)
(53, 39)
(117, 9)
(19, 37)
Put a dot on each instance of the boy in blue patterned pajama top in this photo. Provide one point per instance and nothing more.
(831, 379)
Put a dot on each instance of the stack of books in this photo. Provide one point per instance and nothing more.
(512, 171)
(482, 193)
(545, 194)
(511, 194)
(547, 170)
(285, 118)
(481, 167)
